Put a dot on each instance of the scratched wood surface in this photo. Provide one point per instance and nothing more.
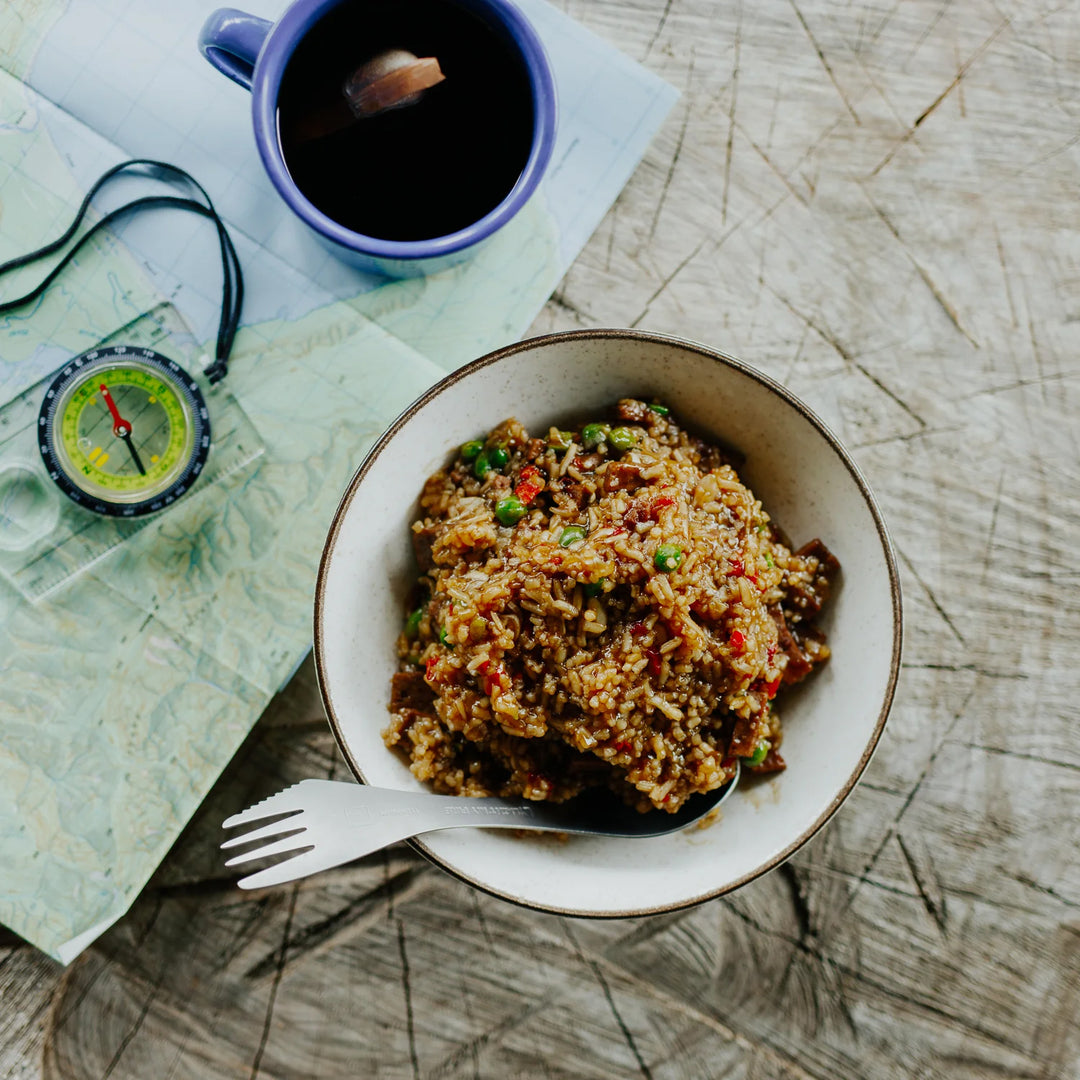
(879, 204)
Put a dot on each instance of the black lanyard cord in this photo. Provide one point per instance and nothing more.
(232, 289)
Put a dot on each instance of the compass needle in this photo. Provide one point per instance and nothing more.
(121, 428)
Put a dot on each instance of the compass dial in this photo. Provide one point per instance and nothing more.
(124, 431)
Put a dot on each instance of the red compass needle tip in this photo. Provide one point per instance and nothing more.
(121, 427)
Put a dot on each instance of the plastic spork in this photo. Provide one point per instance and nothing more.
(330, 822)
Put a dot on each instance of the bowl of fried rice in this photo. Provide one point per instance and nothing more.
(611, 564)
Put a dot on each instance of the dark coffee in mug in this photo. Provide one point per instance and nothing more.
(421, 170)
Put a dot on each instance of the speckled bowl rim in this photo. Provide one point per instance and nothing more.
(782, 392)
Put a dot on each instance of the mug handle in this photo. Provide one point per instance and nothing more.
(231, 41)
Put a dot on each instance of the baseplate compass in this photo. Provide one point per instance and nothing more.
(124, 431)
(120, 438)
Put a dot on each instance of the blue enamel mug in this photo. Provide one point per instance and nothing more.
(255, 53)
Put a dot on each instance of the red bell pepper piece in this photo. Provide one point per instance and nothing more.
(530, 484)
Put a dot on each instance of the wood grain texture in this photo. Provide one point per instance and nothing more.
(876, 203)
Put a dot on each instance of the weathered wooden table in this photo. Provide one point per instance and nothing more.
(879, 204)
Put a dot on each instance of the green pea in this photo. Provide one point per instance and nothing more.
(470, 449)
(667, 558)
(761, 751)
(595, 588)
(660, 410)
(412, 623)
(560, 440)
(499, 457)
(482, 465)
(571, 535)
(594, 434)
(622, 439)
(510, 510)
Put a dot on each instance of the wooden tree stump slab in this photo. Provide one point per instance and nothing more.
(876, 204)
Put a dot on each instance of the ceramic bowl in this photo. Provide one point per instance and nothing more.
(806, 481)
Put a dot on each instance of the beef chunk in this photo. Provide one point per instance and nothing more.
(421, 543)
(409, 693)
(799, 663)
(809, 580)
(534, 448)
(578, 492)
(828, 563)
(744, 737)
(622, 477)
(640, 511)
